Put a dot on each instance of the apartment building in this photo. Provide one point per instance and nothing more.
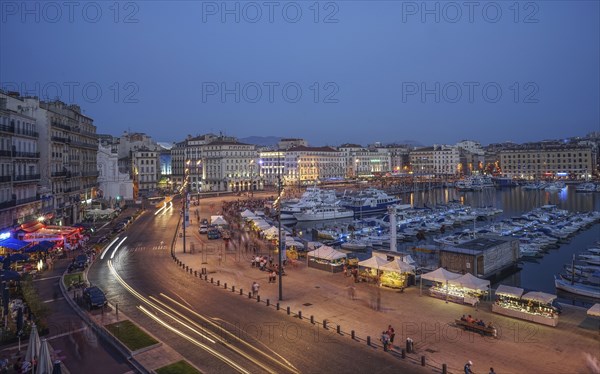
(306, 165)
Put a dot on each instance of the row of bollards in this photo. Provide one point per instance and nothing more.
(409, 342)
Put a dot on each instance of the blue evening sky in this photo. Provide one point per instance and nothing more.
(329, 72)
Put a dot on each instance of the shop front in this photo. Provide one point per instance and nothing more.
(533, 306)
(396, 274)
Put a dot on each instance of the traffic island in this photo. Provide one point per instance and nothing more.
(72, 278)
(134, 338)
(179, 367)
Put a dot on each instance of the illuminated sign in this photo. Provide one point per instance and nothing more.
(4, 235)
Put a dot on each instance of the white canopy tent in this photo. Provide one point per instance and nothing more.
(540, 297)
(271, 233)
(399, 266)
(326, 253)
(218, 220)
(504, 290)
(374, 262)
(440, 275)
(471, 282)
(247, 214)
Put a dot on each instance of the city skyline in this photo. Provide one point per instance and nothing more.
(343, 72)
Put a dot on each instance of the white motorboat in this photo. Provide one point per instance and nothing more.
(354, 245)
(586, 187)
(590, 259)
(576, 288)
(323, 213)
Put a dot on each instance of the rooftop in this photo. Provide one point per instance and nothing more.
(476, 246)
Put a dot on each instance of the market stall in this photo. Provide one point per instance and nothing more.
(10, 244)
(471, 288)
(326, 258)
(369, 269)
(441, 288)
(395, 274)
(533, 306)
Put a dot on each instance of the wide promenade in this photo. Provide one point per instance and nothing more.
(521, 347)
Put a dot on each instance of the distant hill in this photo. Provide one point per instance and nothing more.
(266, 141)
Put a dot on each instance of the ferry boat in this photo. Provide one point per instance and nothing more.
(370, 201)
(323, 213)
(474, 183)
(501, 182)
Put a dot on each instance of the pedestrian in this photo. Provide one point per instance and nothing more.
(17, 365)
(255, 288)
(391, 333)
(353, 292)
(385, 339)
(492, 371)
(468, 367)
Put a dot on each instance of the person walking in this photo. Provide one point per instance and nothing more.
(492, 371)
(385, 340)
(255, 288)
(391, 333)
(469, 367)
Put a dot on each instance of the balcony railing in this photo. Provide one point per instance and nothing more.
(61, 126)
(27, 200)
(33, 134)
(59, 139)
(7, 204)
(7, 128)
(24, 178)
(5, 178)
(90, 173)
(5, 153)
(26, 154)
(90, 185)
(59, 174)
(83, 144)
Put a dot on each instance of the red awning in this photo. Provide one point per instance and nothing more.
(32, 226)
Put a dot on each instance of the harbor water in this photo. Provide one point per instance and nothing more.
(535, 274)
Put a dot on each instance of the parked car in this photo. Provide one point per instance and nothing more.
(203, 229)
(80, 263)
(213, 234)
(204, 221)
(93, 297)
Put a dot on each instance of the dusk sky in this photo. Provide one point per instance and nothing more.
(334, 72)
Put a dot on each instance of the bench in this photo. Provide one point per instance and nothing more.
(483, 330)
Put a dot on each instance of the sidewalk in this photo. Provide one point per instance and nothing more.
(426, 320)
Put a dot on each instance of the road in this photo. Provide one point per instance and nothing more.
(219, 331)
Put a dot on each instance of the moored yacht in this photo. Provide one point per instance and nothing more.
(323, 212)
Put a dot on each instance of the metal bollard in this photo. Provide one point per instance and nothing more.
(422, 360)
(403, 353)
(300, 314)
(444, 369)
(241, 291)
(232, 288)
(352, 334)
(249, 295)
(277, 306)
(312, 319)
(368, 340)
(258, 298)
(218, 282)
(288, 310)
(196, 273)
(117, 310)
(211, 280)
(339, 329)
(268, 302)
(325, 324)
(225, 285)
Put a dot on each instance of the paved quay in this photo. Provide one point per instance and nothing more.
(521, 346)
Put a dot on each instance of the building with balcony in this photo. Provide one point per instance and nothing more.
(145, 169)
(187, 154)
(546, 160)
(271, 166)
(228, 165)
(422, 161)
(446, 160)
(114, 183)
(19, 162)
(306, 165)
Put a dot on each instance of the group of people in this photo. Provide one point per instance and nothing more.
(469, 368)
(476, 321)
(387, 337)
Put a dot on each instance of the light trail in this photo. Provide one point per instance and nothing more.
(193, 323)
(116, 248)
(107, 247)
(285, 363)
(194, 341)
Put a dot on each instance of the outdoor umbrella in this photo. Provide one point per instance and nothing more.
(44, 364)
(33, 347)
(56, 369)
(6, 275)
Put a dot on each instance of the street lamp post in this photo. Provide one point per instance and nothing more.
(279, 254)
(185, 200)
